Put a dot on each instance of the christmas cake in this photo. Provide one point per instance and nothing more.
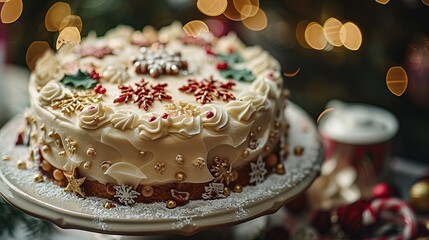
(149, 116)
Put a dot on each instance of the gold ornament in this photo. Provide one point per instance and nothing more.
(298, 150)
(109, 205)
(142, 153)
(272, 160)
(91, 152)
(71, 146)
(280, 169)
(46, 166)
(62, 154)
(171, 204)
(179, 159)
(87, 165)
(5, 157)
(58, 175)
(180, 176)
(38, 178)
(245, 154)
(160, 167)
(226, 191)
(76, 101)
(181, 108)
(237, 188)
(74, 184)
(419, 196)
(199, 163)
(21, 164)
(259, 128)
(147, 190)
(46, 149)
(222, 170)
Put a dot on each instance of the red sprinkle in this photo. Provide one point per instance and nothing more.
(209, 114)
(222, 66)
(270, 75)
(164, 115)
(210, 52)
(151, 119)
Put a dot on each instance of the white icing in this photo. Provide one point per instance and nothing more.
(259, 102)
(124, 120)
(115, 73)
(230, 42)
(218, 121)
(241, 110)
(171, 32)
(185, 126)
(126, 173)
(121, 32)
(47, 68)
(264, 87)
(51, 91)
(95, 116)
(250, 53)
(260, 63)
(152, 130)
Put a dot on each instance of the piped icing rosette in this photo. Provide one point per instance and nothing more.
(153, 127)
(47, 68)
(214, 117)
(185, 126)
(258, 101)
(50, 92)
(124, 120)
(116, 73)
(264, 87)
(230, 42)
(95, 116)
(241, 110)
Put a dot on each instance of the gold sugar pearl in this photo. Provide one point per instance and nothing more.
(147, 191)
(46, 149)
(46, 166)
(267, 148)
(226, 191)
(5, 157)
(38, 178)
(298, 150)
(252, 134)
(180, 176)
(91, 152)
(21, 164)
(259, 128)
(87, 165)
(280, 169)
(62, 154)
(171, 204)
(142, 153)
(245, 153)
(58, 175)
(237, 188)
(272, 160)
(109, 205)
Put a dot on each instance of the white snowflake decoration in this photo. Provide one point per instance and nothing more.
(258, 171)
(126, 194)
(213, 191)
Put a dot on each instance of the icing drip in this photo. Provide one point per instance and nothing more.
(185, 126)
(50, 92)
(126, 173)
(125, 120)
(264, 87)
(241, 110)
(47, 68)
(214, 117)
(259, 102)
(95, 116)
(116, 73)
(152, 127)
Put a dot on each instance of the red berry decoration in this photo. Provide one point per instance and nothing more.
(164, 115)
(94, 75)
(209, 114)
(100, 89)
(151, 119)
(222, 66)
(384, 190)
(350, 218)
(181, 198)
(210, 52)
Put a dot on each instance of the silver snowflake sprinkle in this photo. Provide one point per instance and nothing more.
(213, 191)
(258, 171)
(125, 194)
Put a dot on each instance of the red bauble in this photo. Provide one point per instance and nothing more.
(384, 190)
(350, 218)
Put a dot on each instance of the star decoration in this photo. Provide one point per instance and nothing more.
(199, 163)
(76, 101)
(143, 95)
(74, 184)
(222, 171)
(182, 108)
(213, 191)
(206, 90)
(258, 171)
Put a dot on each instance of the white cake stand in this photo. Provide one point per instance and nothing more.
(48, 201)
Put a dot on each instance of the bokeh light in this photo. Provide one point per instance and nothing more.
(382, 1)
(55, 16)
(11, 11)
(71, 21)
(314, 36)
(234, 14)
(300, 33)
(322, 114)
(397, 80)
(34, 52)
(425, 2)
(195, 27)
(257, 22)
(292, 74)
(331, 30)
(351, 36)
(212, 7)
(68, 35)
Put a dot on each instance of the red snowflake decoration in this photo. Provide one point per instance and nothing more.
(143, 95)
(205, 90)
(96, 51)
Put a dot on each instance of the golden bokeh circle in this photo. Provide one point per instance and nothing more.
(68, 35)
(331, 30)
(55, 15)
(382, 1)
(11, 11)
(71, 21)
(425, 2)
(195, 27)
(397, 80)
(34, 52)
(212, 7)
(257, 22)
(300, 33)
(314, 36)
(350, 36)
(232, 13)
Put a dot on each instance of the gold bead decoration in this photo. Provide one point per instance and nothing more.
(277, 124)
(267, 148)
(419, 196)
(46, 148)
(237, 188)
(58, 175)
(245, 154)
(259, 128)
(46, 166)
(226, 191)
(280, 169)
(171, 204)
(62, 154)
(298, 150)
(272, 160)
(38, 178)
(142, 153)
(109, 205)
(252, 134)
(180, 176)
(21, 164)
(87, 165)
(147, 191)
(5, 157)
(179, 159)
(91, 152)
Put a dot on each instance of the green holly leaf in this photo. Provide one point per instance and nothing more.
(79, 80)
(231, 59)
(243, 75)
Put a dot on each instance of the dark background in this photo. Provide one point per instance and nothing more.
(391, 33)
